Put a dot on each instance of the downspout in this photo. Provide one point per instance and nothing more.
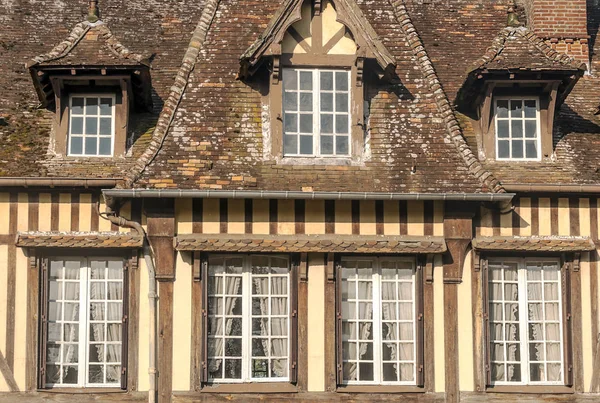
(112, 216)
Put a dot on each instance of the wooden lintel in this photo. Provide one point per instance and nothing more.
(458, 230)
(303, 272)
(429, 269)
(330, 267)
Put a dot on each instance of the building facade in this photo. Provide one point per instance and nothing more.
(299, 200)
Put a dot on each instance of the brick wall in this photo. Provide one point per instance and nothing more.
(559, 18)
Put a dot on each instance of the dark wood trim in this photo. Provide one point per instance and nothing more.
(516, 217)
(43, 321)
(133, 334)
(34, 211)
(379, 389)
(593, 261)
(273, 216)
(197, 341)
(379, 218)
(75, 212)
(203, 329)
(8, 374)
(302, 378)
(7, 239)
(428, 339)
(355, 217)
(165, 341)
(451, 342)
(127, 268)
(574, 216)
(330, 326)
(535, 216)
(526, 389)
(197, 211)
(33, 286)
(300, 216)
(428, 213)
(554, 216)
(223, 215)
(403, 216)
(248, 214)
(594, 218)
(329, 216)
(259, 387)
(54, 211)
(576, 319)
(94, 220)
(11, 278)
(479, 339)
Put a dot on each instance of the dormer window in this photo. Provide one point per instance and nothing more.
(517, 128)
(316, 106)
(91, 125)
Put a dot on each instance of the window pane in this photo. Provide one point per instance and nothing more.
(530, 128)
(502, 109)
(516, 109)
(290, 79)
(306, 145)
(531, 149)
(290, 101)
(104, 146)
(91, 125)
(530, 109)
(326, 102)
(326, 123)
(341, 102)
(517, 149)
(290, 123)
(91, 106)
(306, 101)
(105, 126)
(341, 124)
(502, 129)
(76, 145)
(91, 144)
(290, 144)
(503, 149)
(306, 80)
(105, 106)
(77, 106)
(326, 144)
(326, 80)
(341, 145)
(76, 125)
(341, 81)
(306, 123)
(516, 128)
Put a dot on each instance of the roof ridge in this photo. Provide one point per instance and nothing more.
(77, 34)
(453, 127)
(500, 39)
(176, 93)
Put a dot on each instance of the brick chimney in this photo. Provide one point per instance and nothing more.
(563, 23)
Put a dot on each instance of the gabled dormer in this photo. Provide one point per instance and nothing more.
(92, 83)
(513, 93)
(318, 55)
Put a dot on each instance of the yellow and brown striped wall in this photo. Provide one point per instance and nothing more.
(69, 211)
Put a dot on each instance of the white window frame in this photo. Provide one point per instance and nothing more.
(509, 119)
(316, 113)
(524, 319)
(84, 322)
(377, 321)
(247, 320)
(97, 136)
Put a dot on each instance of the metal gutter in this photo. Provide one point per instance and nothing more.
(550, 188)
(278, 194)
(58, 182)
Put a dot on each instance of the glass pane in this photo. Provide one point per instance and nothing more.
(306, 101)
(327, 80)
(306, 123)
(517, 149)
(233, 347)
(76, 145)
(516, 128)
(365, 371)
(76, 125)
(290, 80)
(530, 109)
(91, 107)
(531, 149)
(306, 80)
(327, 124)
(104, 146)
(503, 149)
(91, 125)
(96, 374)
(341, 145)
(536, 372)
(114, 311)
(290, 101)
(91, 144)
(279, 368)
(530, 129)
(290, 144)
(70, 374)
(53, 353)
(502, 109)
(306, 145)
(260, 369)
(341, 102)
(105, 106)
(516, 109)
(341, 81)
(290, 122)
(96, 353)
(77, 106)
(326, 102)
(105, 126)
(341, 124)
(389, 372)
(502, 129)
(215, 369)
(233, 369)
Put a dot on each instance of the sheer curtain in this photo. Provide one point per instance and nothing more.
(232, 287)
(279, 325)
(365, 313)
(71, 333)
(390, 332)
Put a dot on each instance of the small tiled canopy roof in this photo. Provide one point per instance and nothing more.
(78, 240)
(534, 244)
(309, 243)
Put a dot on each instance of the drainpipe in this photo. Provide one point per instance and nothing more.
(112, 216)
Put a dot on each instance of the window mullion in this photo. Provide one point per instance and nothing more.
(316, 112)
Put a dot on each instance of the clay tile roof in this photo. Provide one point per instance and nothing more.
(309, 243)
(520, 48)
(89, 44)
(534, 244)
(78, 240)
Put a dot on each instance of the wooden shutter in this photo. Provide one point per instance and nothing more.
(567, 322)
(43, 327)
(204, 312)
(339, 358)
(485, 307)
(294, 318)
(420, 325)
(125, 325)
